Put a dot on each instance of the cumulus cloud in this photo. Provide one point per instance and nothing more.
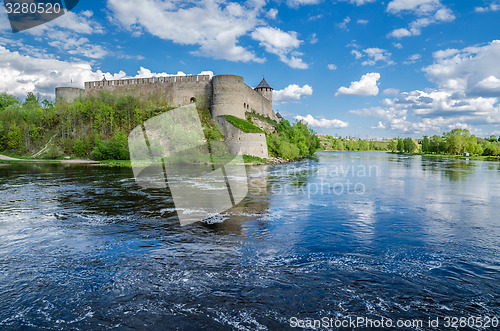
(298, 3)
(413, 58)
(272, 13)
(359, 2)
(322, 122)
(280, 43)
(343, 25)
(69, 33)
(146, 73)
(366, 86)
(208, 24)
(491, 8)
(22, 74)
(292, 92)
(427, 12)
(374, 55)
(332, 67)
(380, 125)
(471, 70)
(467, 96)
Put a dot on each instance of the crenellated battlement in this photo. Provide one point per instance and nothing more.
(134, 82)
(223, 94)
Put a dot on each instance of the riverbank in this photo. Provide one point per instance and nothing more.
(472, 157)
(8, 159)
(248, 160)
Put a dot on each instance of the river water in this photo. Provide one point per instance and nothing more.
(348, 235)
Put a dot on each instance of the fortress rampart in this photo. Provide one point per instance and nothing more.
(222, 94)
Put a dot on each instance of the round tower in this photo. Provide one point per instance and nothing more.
(265, 90)
(68, 94)
(227, 96)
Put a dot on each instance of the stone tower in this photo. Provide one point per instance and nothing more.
(265, 90)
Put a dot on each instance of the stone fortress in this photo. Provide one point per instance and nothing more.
(222, 94)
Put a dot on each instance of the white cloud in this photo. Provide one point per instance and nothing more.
(427, 12)
(400, 33)
(373, 55)
(380, 125)
(467, 96)
(491, 8)
(489, 84)
(361, 21)
(75, 45)
(65, 34)
(146, 73)
(272, 13)
(80, 23)
(413, 58)
(280, 43)
(208, 24)
(22, 74)
(297, 3)
(313, 39)
(357, 54)
(366, 86)
(343, 25)
(397, 45)
(322, 122)
(467, 70)
(292, 92)
(332, 67)
(359, 2)
(391, 91)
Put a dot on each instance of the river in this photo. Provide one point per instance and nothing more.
(347, 235)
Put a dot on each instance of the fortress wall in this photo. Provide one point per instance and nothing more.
(254, 100)
(68, 94)
(181, 90)
(228, 93)
(240, 142)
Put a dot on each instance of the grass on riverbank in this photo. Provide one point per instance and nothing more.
(472, 157)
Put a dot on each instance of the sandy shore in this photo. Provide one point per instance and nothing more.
(8, 158)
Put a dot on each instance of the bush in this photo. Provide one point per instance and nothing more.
(53, 153)
(115, 149)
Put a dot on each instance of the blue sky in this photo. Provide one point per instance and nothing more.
(367, 68)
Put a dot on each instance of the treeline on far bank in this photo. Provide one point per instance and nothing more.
(98, 127)
(455, 142)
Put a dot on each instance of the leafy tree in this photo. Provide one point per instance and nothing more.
(7, 100)
(409, 145)
(401, 145)
(14, 137)
(426, 145)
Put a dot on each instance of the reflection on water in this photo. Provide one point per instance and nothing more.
(350, 234)
(454, 169)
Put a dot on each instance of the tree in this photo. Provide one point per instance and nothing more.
(14, 137)
(409, 145)
(7, 100)
(392, 145)
(401, 145)
(426, 145)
